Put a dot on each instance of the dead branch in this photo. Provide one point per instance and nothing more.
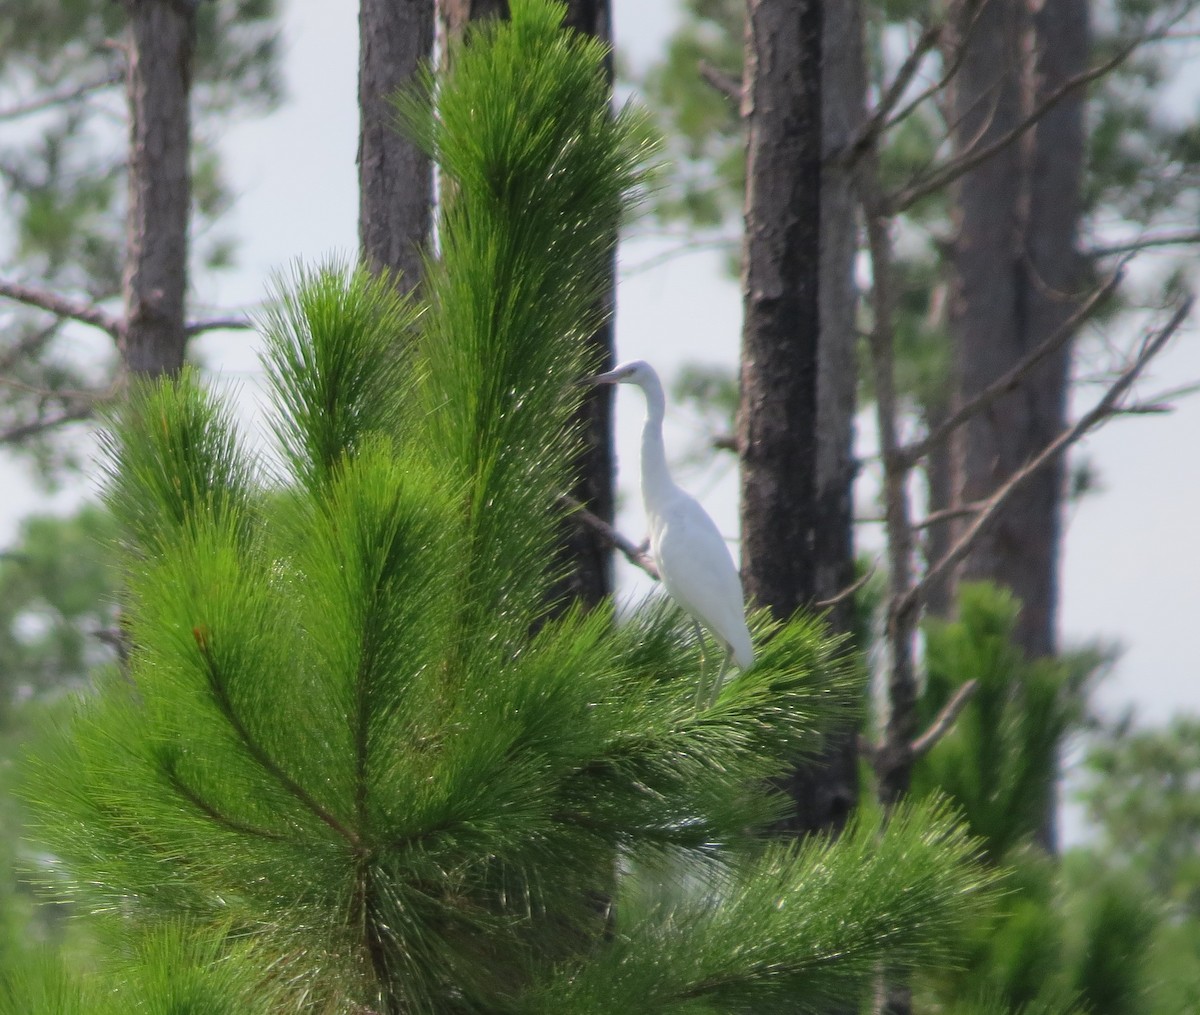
(28, 346)
(840, 597)
(948, 514)
(944, 721)
(62, 306)
(1102, 410)
(195, 328)
(726, 84)
(636, 555)
(912, 453)
(974, 156)
(62, 96)
(23, 431)
(1178, 239)
(879, 119)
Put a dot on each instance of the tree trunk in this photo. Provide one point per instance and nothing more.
(587, 557)
(1056, 278)
(778, 419)
(456, 13)
(780, 266)
(826, 791)
(1019, 275)
(395, 179)
(162, 39)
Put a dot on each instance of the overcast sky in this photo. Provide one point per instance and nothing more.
(1132, 550)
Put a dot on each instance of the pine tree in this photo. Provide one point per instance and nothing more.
(351, 765)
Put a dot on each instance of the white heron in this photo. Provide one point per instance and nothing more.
(691, 556)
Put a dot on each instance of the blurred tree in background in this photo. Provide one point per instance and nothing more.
(64, 159)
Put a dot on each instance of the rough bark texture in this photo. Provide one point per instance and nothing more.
(780, 269)
(162, 39)
(825, 791)
(395, 179)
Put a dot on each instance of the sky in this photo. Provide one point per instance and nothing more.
(1131, 573)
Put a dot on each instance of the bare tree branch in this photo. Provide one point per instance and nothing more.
(944, 720)
(948, 514)
(636, 555)
(939, 178)
(847, 592)
(879, 119)
(726, 84)
(28, 346)
(61, 97)
(63, 306)
(1106, 407)
(23, 431)
(195, 328)
(1179, 239)
(910, 454)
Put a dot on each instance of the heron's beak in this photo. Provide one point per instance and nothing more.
(612, 377)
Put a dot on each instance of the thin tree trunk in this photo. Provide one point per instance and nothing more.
(780, 269)
(162, 40)
(826, 791)
(938, 472)
(395, 179)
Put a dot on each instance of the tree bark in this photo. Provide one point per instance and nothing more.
(780, 269)
(457, 13)
(788, 383)
(1056, 278)
(395, 179)
(1019, 276)
(162, 40)
(825, 791)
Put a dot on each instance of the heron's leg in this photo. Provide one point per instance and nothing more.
(702, 682)
(720, 679)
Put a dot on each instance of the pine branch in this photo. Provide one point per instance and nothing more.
(256, 750)
(176, 782)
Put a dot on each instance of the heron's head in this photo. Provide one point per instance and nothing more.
(636, 371)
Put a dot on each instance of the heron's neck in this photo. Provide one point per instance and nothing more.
(656, 477)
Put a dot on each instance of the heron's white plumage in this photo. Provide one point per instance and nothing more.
(695, 564)
(698, 571)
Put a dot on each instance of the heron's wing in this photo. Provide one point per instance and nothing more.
(698, 571)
